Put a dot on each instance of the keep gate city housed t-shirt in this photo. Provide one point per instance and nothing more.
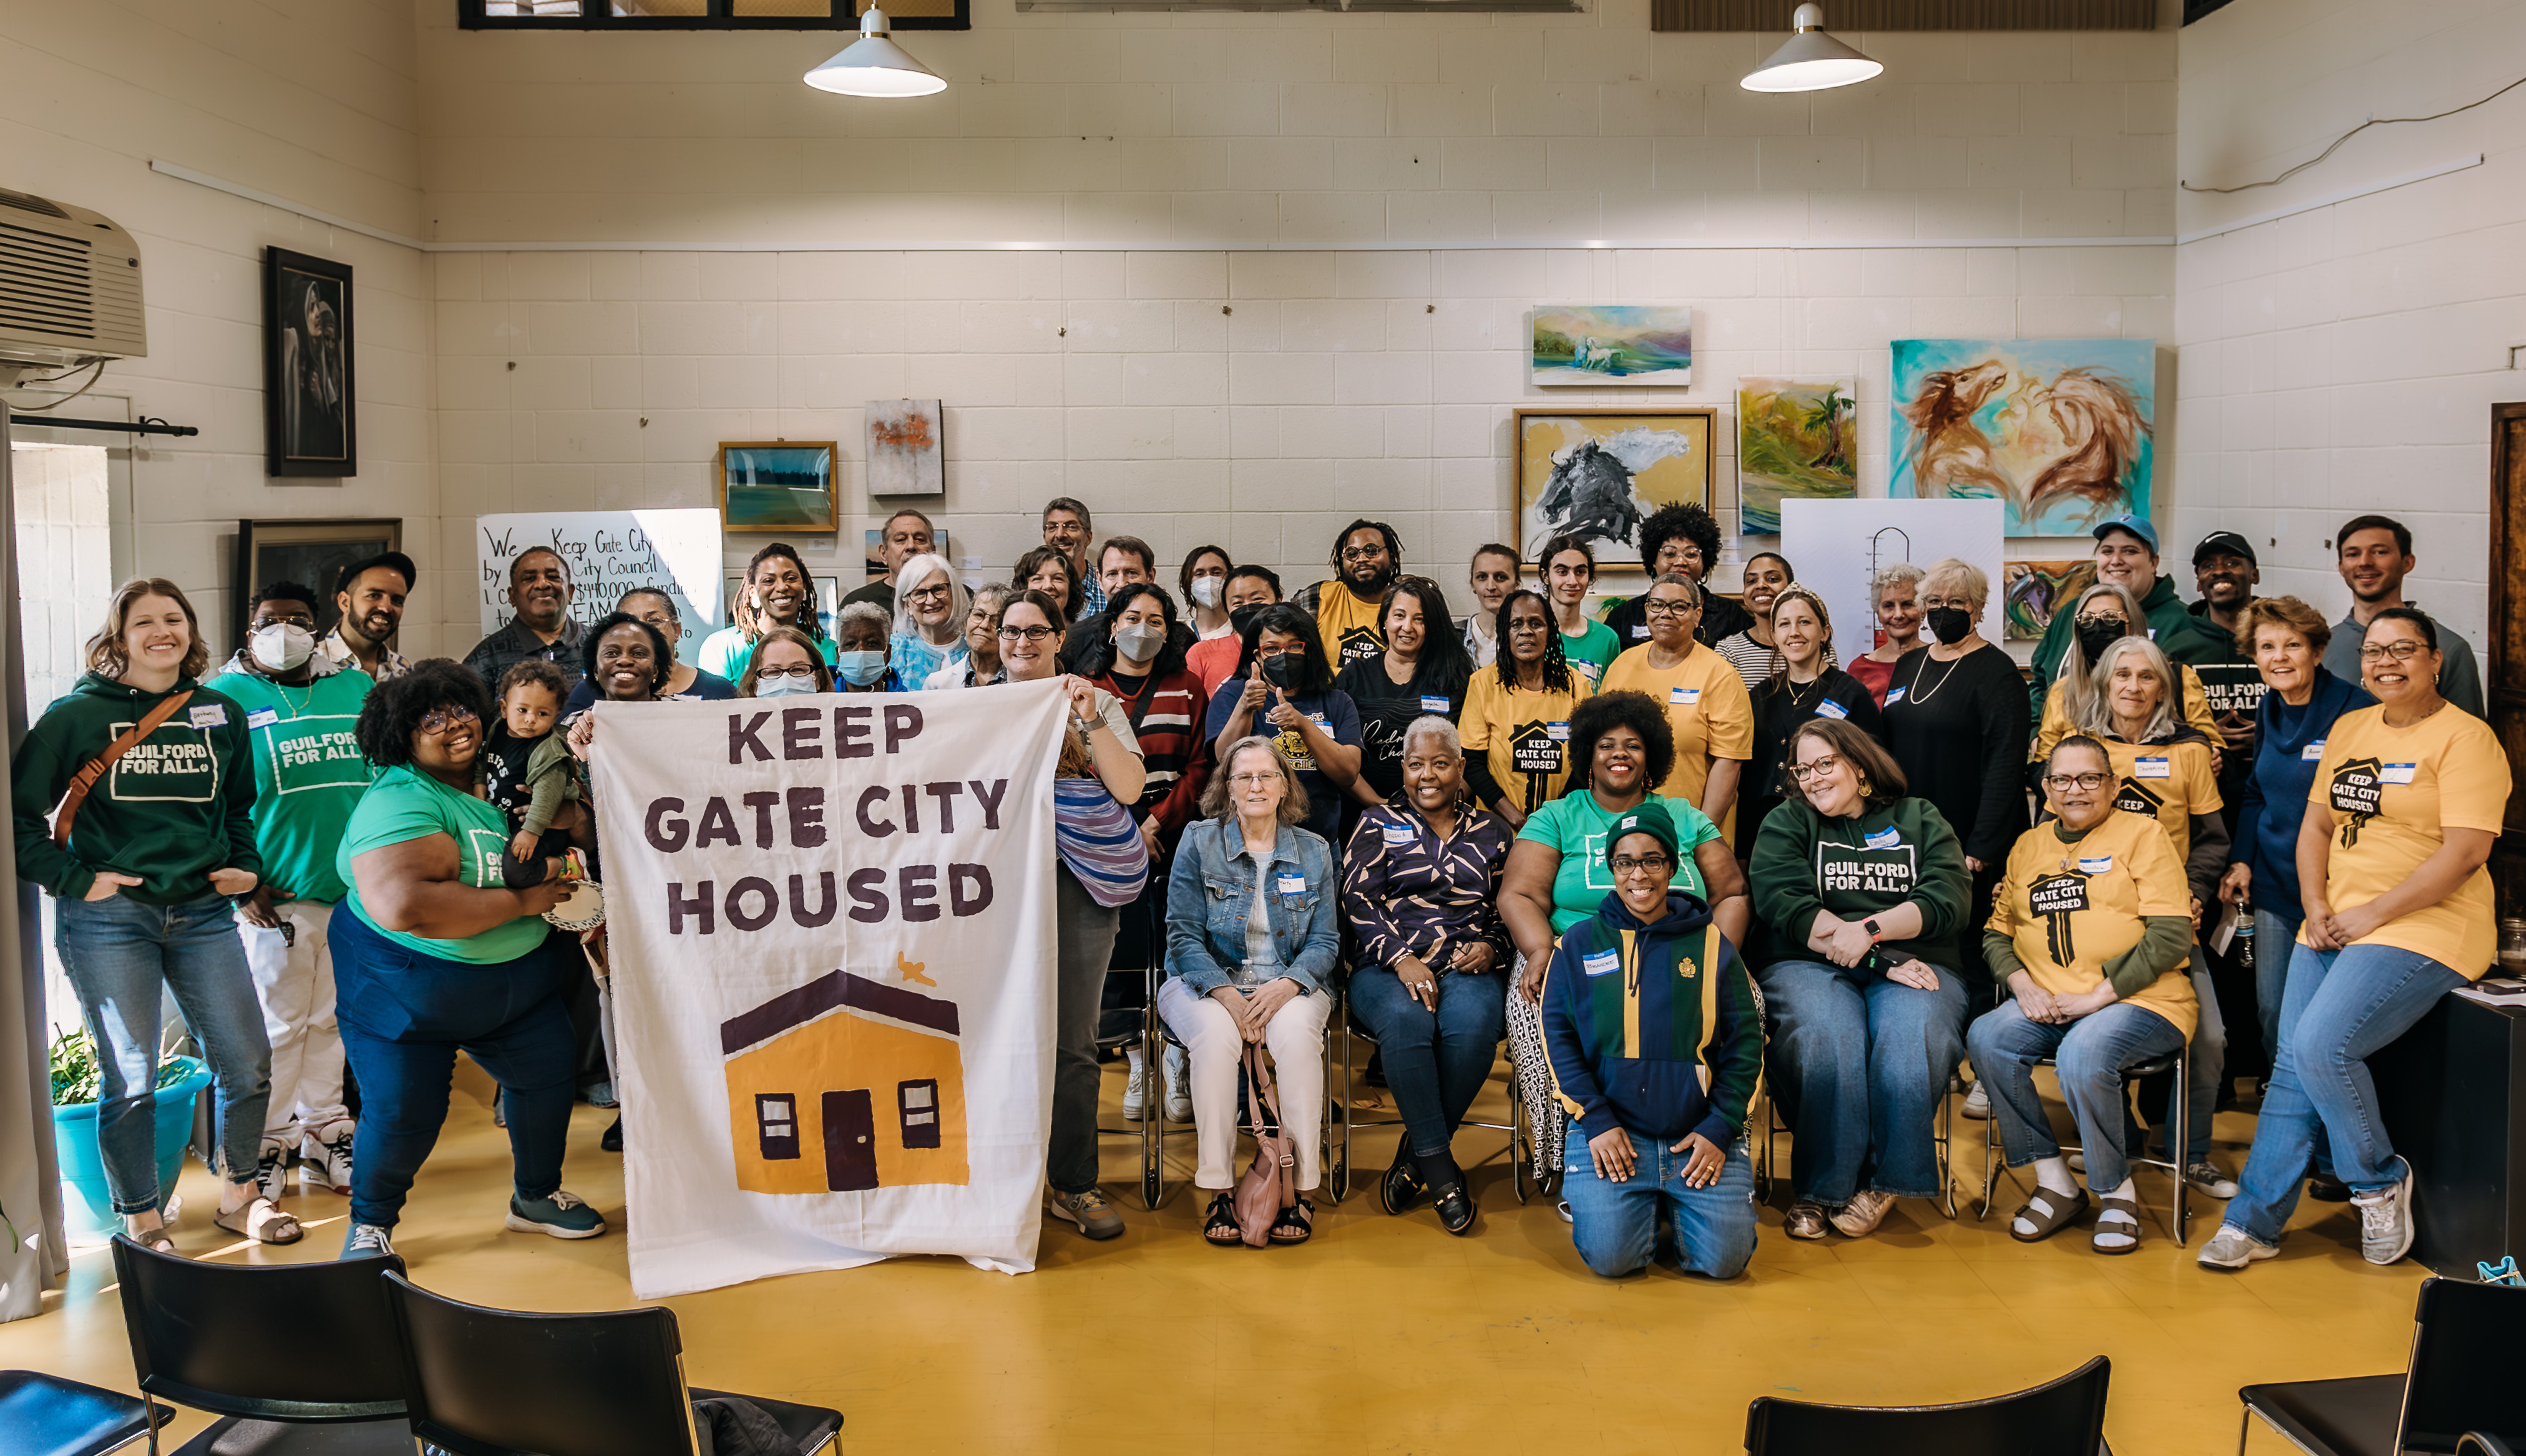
(1346, 625)
(1575, 824)
(2394, 794)
(308, 774)
(1521, 736)
(2070, 907)
(406, 804)
(2169, 782)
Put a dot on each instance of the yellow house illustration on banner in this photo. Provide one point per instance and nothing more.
(845, 1085)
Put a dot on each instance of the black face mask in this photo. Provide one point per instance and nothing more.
(1241, 618)
(2096, 634)
(1282, 672)
(1948, 624)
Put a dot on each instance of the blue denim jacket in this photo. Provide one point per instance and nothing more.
(1211, 891)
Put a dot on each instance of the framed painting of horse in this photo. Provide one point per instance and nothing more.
(2062, 430)
(1596, 473)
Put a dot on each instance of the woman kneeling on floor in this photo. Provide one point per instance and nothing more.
(1250, 944)
(1656, 1044)
(1859, 893)
(2090, 935)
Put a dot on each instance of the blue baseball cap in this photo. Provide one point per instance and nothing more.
(2132, 524)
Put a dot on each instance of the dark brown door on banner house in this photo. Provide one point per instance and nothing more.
(850, 1141)
(2506, 696)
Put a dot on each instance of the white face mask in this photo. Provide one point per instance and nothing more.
(1206, 591)
(1139, 641)
(281, 646)
(782, 684)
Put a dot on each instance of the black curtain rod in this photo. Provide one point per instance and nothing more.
(143, 425)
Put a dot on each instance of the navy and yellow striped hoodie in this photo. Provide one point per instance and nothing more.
(1652, 1026)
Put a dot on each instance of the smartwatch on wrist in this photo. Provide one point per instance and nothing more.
(1870, 926)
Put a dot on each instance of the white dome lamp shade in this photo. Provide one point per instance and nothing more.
(1811, 60)
(875, 66)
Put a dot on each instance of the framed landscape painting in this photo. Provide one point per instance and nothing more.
(2061, 430)
(1605, 344)
(1796, 440)
(1596, 472)
(777, 485)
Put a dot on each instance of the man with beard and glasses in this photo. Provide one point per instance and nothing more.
(1067, 529)
(370, 596)
(1366, 557)
(539, 593)
(1250, 589)
(2374, 554)
(2127, 557)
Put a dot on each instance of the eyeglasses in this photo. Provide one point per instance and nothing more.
(2077, 781)
(1815, 768)
(441, 719)
(1250, 780)
(1030, 634)
(1646, 864)
(923, 593)
(2403, 651)
(1656, 608)
(803, 670)
(1362, 553)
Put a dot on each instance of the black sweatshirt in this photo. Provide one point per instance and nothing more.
(1959, 731)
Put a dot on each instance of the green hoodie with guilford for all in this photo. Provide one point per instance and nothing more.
(176, 807)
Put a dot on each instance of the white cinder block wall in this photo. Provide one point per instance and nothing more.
(2343, 360)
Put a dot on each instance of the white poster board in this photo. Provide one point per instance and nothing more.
(1839, 545)
(610, 552)
(831, 931)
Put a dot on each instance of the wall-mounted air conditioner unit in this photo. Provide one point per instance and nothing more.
(69, 285)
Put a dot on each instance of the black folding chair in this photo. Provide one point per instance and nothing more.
(1337, 1177)
(2461, 1384)
(291, 1357)
(1126, 1019)
(1519, 1147)
(43, 1415)
(501, 1383)
(2061, 1418)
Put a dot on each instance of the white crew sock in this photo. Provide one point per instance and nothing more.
(2117, 1230)
(2054, 1173)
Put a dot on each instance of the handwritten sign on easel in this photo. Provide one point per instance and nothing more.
(609, 553)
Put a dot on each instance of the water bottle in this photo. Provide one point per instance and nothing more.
(2241, 949)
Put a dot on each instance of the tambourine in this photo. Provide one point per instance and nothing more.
(583, 909)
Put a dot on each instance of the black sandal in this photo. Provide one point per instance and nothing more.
(1299, 1216)
(1455, 1210)
(1219, 1226)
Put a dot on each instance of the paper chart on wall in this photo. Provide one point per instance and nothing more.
(1839, 545)
(609, 553)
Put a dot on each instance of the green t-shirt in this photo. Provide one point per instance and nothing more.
(1575, 825)
(308, 774)
(1593, 651)
(406, 804)
(726, 652)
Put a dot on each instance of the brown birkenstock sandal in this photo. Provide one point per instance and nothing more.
(2117, 1216)
(2048, 1211)
(262, 1220)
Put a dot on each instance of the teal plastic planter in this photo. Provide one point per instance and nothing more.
(86, 1206)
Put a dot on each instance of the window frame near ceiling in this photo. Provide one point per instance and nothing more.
(471, 15)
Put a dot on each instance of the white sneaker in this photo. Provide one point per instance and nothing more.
(272, 1171)
(2234, 1249)
(1561, 1206)
(2386, 1222)
(1977, 1102)
(1179, 1075)
(1135, 1090)
(325, 1165)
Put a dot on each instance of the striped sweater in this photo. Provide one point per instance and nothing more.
(1169, 709)
(1653, 1028)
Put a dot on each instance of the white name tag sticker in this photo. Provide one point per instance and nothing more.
(1601, 962)
(1398, 835)
(2312, 752)
(1431, 704)
(2152, 768)
(1684, 697)
(1558, 732)
(1589, 670)
(1828, 708)
(1294, 884)
(2096, 864)
(1885, 838)
(1894, 695)
(1641, 633)
(209, 716)
(262, 718)
(2395, 773)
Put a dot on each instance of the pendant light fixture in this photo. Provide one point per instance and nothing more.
(1811, 60)
(875, 66)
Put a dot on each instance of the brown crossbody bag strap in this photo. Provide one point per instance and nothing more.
(86, 778)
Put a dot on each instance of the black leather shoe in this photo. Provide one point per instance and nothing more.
(612, 1142)
(2327, 1189)
(1455, 1210)
(1400, 1191)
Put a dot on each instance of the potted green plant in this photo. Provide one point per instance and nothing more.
(77, 1076)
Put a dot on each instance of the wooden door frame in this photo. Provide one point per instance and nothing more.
(2505, 696)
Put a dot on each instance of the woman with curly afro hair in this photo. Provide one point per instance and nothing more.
(439, 947)
(1621, 746)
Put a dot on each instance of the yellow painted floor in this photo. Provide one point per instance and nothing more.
(1386, 1335)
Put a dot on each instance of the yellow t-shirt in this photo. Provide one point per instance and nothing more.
(2070, 908)
(2057, 724)
(1347, 626)
(2392, 792)
(1706, 702)
(1525, 735)
(2169, 782)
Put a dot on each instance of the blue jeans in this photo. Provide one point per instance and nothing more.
(1436, 1062)
(1862, 1061)
(122, 956)
(405, 1014)
(2342, 1006)
(1616, 1225)
(2089, 1056)
(2275, 941)
(2208, 1060)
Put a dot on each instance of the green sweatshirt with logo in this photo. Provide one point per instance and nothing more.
(1804, 863)
(178, 805)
